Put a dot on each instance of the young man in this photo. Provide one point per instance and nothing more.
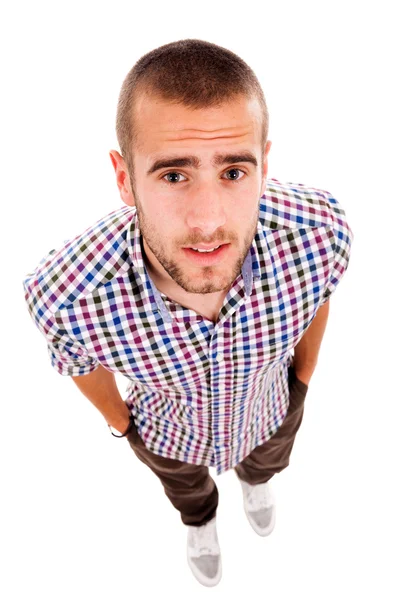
(209, 290)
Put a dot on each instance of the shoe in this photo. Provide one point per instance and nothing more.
(203, 553)
(259, 506)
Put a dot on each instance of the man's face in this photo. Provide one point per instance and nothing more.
(201, 200)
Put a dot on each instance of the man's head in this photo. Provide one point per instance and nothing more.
(197, 102)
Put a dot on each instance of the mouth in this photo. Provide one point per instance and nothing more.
(207, 256)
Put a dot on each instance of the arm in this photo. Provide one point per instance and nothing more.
(307, 349)
(100, 388)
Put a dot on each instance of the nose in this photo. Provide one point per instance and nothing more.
(206, 210)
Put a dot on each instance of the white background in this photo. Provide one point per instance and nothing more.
(81, 517)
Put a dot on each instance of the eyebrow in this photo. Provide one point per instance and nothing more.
(194, 161)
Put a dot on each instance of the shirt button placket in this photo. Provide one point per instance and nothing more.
(218, 357)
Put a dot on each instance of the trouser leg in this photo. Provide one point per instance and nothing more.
(273, 456)
(190, 488)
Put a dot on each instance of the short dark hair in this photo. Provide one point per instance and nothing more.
(191, 72)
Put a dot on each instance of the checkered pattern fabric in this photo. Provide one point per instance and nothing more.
(201, 392)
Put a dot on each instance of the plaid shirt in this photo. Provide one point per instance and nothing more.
(200, 392)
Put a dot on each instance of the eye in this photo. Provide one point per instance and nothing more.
(232, 171)
(175, 174)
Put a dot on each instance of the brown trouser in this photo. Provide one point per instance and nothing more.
(192, 490)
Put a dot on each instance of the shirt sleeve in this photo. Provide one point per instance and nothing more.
(67, 355)
(343, 240)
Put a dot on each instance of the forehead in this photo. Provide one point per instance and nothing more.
(162, 125)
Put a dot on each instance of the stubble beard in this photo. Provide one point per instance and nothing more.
(209, 283)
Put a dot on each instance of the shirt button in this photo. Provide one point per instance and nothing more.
(219, 357)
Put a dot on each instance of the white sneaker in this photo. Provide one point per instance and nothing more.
(203, 553)
(259, 506)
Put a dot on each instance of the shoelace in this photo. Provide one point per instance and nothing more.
(258, 498)
(205, 539)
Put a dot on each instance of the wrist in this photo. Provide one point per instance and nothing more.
(126, 430)
(119, 426)
(303, 375)
(303, 372)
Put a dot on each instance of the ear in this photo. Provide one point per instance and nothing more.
(265, 166)
(123, 179)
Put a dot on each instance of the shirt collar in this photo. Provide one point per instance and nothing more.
(250, 267)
